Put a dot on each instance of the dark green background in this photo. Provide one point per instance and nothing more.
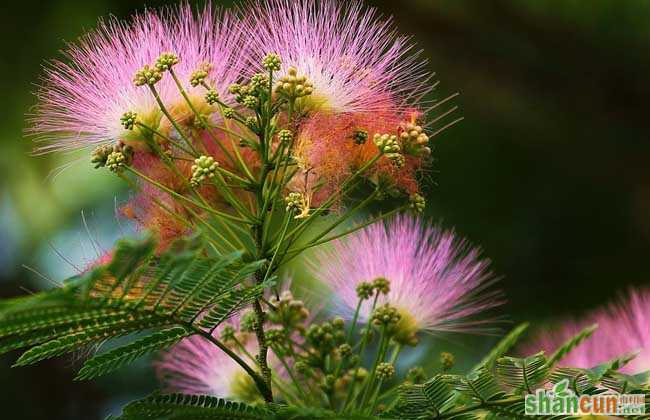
(548, 171)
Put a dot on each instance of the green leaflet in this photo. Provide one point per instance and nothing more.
(522, 374)
(191, 407)
(505, 344)
(570, 344)
(118, 357)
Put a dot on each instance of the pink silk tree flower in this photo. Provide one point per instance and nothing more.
(623, 328)
(351, 54)
(196, 366)
(84, 96)
(437, 282)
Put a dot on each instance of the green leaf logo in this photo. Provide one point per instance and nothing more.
(561, 389)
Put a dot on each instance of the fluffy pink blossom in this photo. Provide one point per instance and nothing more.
(350, 53)
(196, 366)
(623, 328)
(84, 95)
(436, 279)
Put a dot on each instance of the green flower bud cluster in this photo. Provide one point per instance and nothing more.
(251, 122)
(417, 203)
(147, 75)
(389, 146)
(272, 62)
(116, 162)
(297, 203)
(345, 350)
(447, 360)
(289, 312)
(365, 290)
(229, 113)
(360, 136)
(100, 154)
(128, 120)
(249, 101)
(244, 95)
(294, 86)
(416, 375)
(414, 141)
(386, 315)
(385, 371)
(212, 97)
(166, 61)
(204, 167)
(285, 136)
(198, 76)
(115, 158)
(326, 337)
(259, 81)
(381, 285)
(276, 337)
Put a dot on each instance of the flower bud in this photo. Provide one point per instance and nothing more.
(417, 203)
(100, 154)
(389, 146)
(128, 120)
(204, 167)
(166, 61)
(446, 360)
(285, 136)
(147, 76)
(382, 285)
(364, 290)
(229, 113)
(198, 76)
(297, 203)
(360, 136)
(272, 62)
(385, 371)
(386, 315)
(212, 97)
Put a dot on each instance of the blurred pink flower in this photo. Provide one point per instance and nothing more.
(83, 96)
(623, 328)
(196, 366)
(436, 279)
(351, 54)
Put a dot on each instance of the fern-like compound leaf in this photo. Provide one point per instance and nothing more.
(118, 357)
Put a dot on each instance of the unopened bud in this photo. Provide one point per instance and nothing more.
(204, 167)
(166, 61)
(272, 62)
(147, 76)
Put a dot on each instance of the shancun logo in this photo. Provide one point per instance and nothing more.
(561, 400)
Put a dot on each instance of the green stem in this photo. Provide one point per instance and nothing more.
(381, 353)
(188, 200)
(200, 116)
(166, 138)
(173, 122)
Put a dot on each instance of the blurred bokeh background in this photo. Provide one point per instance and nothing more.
(548, 172)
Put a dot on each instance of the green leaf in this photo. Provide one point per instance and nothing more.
(191, 407)
(118, 357)
(88, 335)
(424, 400)
(505, 344)
(522, 374)
(570, 344)
(185, 288)
(480, 386)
